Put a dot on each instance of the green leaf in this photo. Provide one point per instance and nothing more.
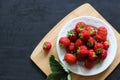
(55, 65)
(91, 30)
(58, 76)
(70, 33)
(59, 71)
(98, 51)
(89, 43)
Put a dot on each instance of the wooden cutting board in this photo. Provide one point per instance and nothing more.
(41, 59)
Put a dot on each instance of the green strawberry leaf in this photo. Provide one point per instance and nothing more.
(89, 43)
(58, 76)
(59, 71)
(99, 50)
(55, 65)
(70, 33)
(81, 36)
(91, 30)
(81, 27)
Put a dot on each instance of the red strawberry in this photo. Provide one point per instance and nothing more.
(72, 35)
(106, 44)
(80, 58)
(92, 55)
(89, 64)
(103, 54)
(82, 50)
(98, 48)
(47, 46)
(71, 47)
(91, 42)
(101, 34)
(70, 58)
(87, 27)
(79, 27)
(102, 30)
(64, 42)
(78, 43)
(99, 38)
(84, 35)
(92, 30)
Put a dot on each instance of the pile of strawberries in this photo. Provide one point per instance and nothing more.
(85, 43)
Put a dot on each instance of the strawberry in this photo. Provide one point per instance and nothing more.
(99, 38)
(106, 44)
(89, 64)
(91, 42)
(79, 27)
(98, 48)
(87, 27)
(103, 54)
(47, 46)
(78, 43)
(101, 34)
(71, 47)
(82, 51)
(92, 55)
(92, 30)
(84, 35)
(64, 42)
(72, 35)
(80, 58)
(70, 58)
(102, 30)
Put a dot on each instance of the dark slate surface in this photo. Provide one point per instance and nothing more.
(23, 23)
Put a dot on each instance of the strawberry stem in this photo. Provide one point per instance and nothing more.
(44, 45)
(81, 27)
(89, 43)
(99, 50)
(81, 36)
(91, 30)
(61, 46)
(70, 33)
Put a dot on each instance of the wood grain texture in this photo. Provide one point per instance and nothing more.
(41, 58)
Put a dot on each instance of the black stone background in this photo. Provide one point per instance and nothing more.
(23, 23)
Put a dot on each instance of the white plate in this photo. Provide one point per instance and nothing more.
(79, 68)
